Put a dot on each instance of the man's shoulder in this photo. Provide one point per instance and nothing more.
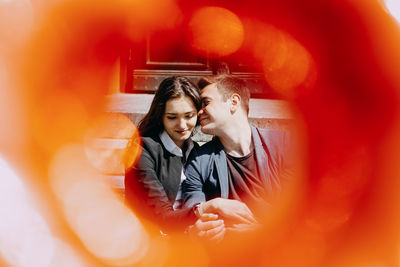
(274, 134)
(275, 139)
(210, 147)
(207, 150)
(271, 132)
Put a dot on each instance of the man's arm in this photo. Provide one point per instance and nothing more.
(230, 210)
(192, 187)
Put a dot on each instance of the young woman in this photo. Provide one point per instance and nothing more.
(152, 184)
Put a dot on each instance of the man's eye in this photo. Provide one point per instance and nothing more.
(205, 103)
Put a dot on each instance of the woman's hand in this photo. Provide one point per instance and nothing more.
(208, 227)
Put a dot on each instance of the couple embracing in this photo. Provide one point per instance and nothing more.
(213, 190)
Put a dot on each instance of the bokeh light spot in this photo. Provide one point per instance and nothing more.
(108, 229)
(25, 236)
(286, 63)
(394, 8)
(112, 143)
(216, 31)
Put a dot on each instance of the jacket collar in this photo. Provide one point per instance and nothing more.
(222, 167)
(172, 148)
(261, 154)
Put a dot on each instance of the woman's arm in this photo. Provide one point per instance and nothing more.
(146, 195)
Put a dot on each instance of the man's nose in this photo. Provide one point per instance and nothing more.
(201, 111)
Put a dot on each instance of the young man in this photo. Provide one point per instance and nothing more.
(243, 163)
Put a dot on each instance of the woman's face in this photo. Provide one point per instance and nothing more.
(179, 119)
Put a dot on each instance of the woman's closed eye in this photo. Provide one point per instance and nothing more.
(188, 115)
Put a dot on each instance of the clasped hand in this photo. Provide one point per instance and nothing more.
(218, 216)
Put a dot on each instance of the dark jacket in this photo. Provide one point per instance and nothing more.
(207, 170)
(152, 183)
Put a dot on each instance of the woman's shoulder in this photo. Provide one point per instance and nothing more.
(150, 139)
(151, 143)
(151, 149)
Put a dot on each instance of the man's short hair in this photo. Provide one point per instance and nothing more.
(227, 85)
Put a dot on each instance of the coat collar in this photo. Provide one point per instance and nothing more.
(261, 154)
(222, 165)
(171, 147)
(222, 168)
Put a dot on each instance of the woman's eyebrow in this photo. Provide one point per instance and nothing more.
(172, 113)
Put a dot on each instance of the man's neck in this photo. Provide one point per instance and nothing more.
(236, 139)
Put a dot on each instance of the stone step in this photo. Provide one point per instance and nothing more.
(264, 113)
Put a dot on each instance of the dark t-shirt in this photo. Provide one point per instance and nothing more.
(244, 181)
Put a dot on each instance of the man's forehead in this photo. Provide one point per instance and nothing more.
(210, 90)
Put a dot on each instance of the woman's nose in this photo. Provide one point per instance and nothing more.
(182, 123)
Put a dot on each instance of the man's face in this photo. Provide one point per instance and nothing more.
(215, 112)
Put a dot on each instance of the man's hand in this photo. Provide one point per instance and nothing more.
(219, 216)
(242, 228)
(232, 211)
(208, 227)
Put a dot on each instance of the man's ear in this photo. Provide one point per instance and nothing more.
(235, 102)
